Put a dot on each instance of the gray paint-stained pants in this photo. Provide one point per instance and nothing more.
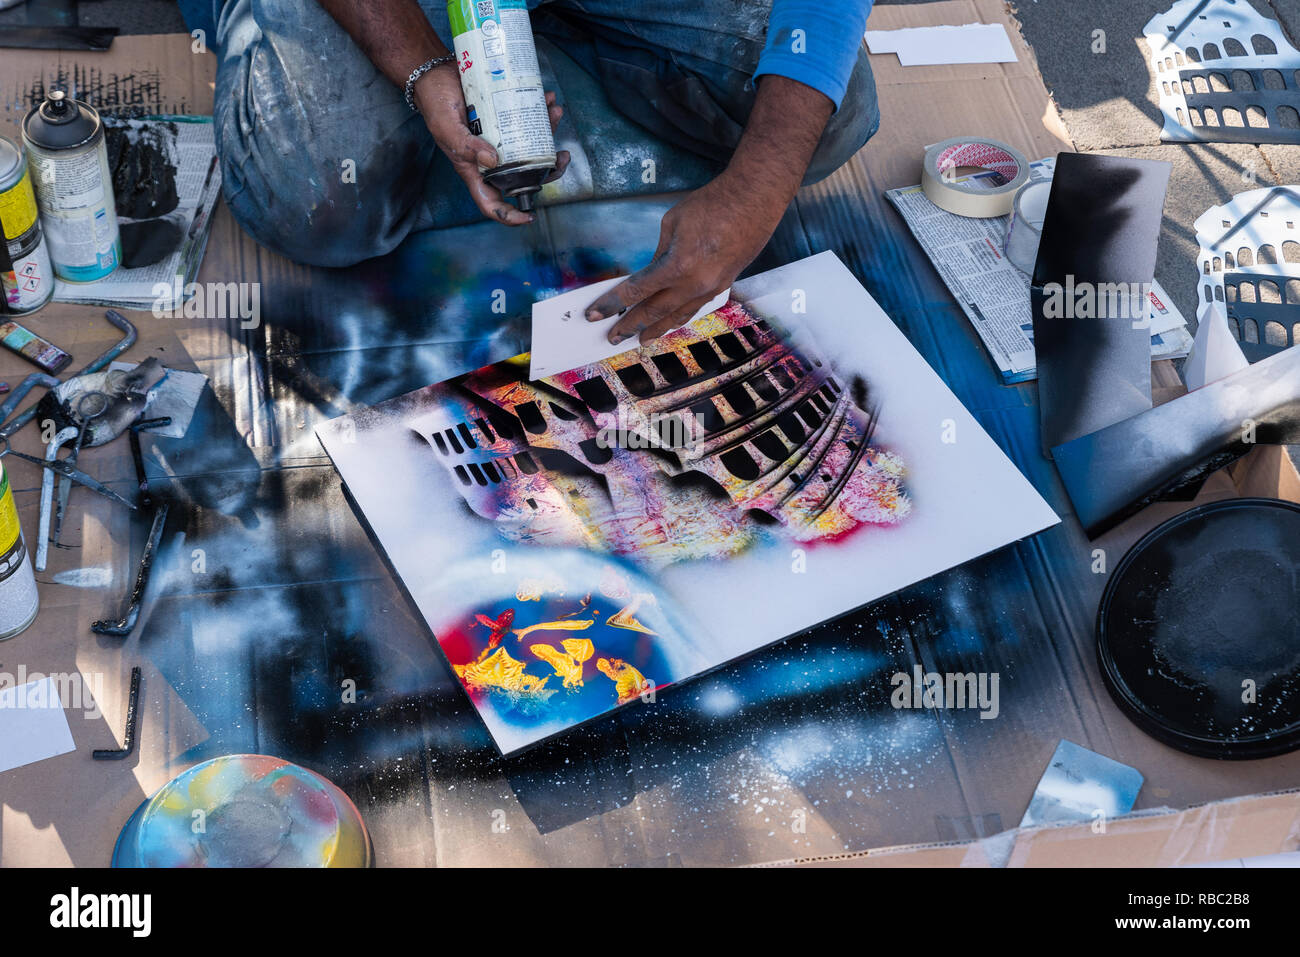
(323, 161)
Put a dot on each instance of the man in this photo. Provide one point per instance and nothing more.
(324, 163)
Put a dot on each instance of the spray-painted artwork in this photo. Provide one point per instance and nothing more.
(579, 542)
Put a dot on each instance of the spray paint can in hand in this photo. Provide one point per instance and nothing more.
(26, 280)
(74, 189)
(19, 600)
(504, 99)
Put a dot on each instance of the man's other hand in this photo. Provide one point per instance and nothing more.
(442, 104)
(715, 232)
(704, 243)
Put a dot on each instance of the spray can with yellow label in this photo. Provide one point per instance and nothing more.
(74, 189)
(19, 600)
(504, 100)
(26, 280)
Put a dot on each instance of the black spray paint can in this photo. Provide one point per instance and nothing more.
(74, 189)
(26, 279)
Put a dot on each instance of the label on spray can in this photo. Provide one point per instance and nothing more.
(12, 548)
(502, 82)
(19, 599)
(75, 193)
(74, 188)
(26, 281)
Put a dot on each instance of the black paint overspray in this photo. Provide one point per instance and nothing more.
(144, 171)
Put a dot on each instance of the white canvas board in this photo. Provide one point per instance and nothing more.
(542, 563)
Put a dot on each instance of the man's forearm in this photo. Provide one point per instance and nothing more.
(779, 141)
(394, 34)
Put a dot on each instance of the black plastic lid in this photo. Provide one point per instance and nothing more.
(519, 182)
(1198, 633)
(61, 122)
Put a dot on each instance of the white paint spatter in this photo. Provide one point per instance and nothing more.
(97, 576)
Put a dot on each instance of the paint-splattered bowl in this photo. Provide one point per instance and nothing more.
(245, 810)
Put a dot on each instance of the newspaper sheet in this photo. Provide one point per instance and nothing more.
(191, 152)
(994, 294)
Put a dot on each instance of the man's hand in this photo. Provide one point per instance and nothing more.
(704, 243)
(441, 101)
(396, 36)
(716, 231)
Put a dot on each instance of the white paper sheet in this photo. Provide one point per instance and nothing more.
(33, 726)
(931, 46)
(563, 339)
(1215, 354)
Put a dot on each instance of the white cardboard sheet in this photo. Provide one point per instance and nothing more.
(932, 46)
(563, 338)
(33, 726)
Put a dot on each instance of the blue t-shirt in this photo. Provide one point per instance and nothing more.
(815, 42)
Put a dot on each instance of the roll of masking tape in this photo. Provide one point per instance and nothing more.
(974, 198)
(1026, 229)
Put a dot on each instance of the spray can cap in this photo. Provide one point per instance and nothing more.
(61, 122)
(56, 107)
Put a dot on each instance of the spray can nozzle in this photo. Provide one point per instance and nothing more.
(58, 108)
(502, 87)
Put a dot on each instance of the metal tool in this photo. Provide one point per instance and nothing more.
(124, 626)
(37, 378)
(126, 623)
(146, 498)
(18, 394)
(62, 437)
(113, 351)
(63, 468)
(89, 407)
(128, 738)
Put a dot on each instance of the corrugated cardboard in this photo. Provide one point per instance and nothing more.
(68, 809)
(921, 105)
(147, 74)
(1008, 102)
(1251, 826)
